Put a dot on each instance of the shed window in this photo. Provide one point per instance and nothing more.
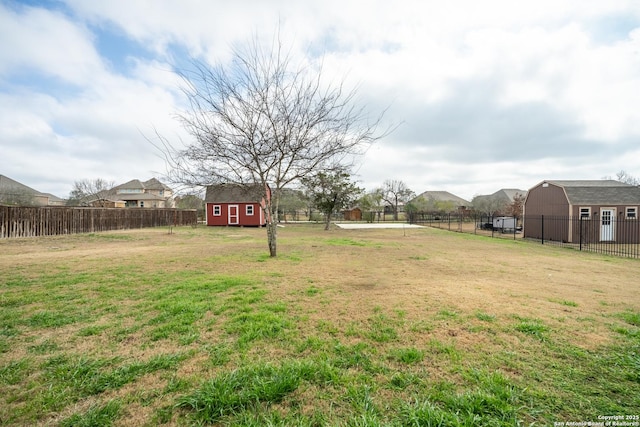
(632, 213)
(249, 210)
(216, 210)
(585, 213)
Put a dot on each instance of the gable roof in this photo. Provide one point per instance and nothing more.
(154, 184)
(10, 186)
(509, 193)
(598, 192)
(234, 193)
(134, 184)
(506, 195)
(444, 196)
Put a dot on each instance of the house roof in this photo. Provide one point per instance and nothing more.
(134, 184)
(10, 186)
(233, 193)
(444, 196)
(154, 184)
(505, 194)
(601, 192)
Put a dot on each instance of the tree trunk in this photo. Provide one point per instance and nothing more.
(272, 237)
(327, 222)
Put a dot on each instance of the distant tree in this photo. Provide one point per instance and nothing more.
(292, 201)
(516, 207)
(394, 193)
(261, 119)
(627, 179)
(488, 205)
(371, 205)
(190, 201)
(90, 191)
(330, 192)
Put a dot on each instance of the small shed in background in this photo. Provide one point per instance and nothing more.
(353, 214)
(235, 205)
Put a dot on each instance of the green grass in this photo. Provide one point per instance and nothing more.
(218, 335)
(95, 416)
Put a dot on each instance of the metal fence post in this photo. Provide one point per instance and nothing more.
(580, 232)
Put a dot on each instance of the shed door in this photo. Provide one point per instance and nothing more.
(233, 215)
(607, 225)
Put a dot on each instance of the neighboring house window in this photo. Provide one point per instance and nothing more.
(632, 213)
(249, 210)
(585, 213)
(216, 210)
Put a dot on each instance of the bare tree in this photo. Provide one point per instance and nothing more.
(394, 193)
(90, 191)
(260, 120)
(627, 179)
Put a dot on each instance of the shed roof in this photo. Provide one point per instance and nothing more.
(599, 192)
(234, 193)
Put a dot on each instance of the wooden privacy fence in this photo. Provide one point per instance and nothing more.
(20, 221)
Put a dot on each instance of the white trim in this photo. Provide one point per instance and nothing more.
(588, 208)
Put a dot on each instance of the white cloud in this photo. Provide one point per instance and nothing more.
(46, 42)
(490, 94)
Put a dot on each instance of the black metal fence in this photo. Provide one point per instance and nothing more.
(612, 236)
(20, 221)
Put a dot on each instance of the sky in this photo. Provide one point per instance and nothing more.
(483, 95)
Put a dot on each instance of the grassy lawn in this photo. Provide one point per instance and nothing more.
(416, 327)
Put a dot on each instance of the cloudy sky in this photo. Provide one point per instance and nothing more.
(488, 94)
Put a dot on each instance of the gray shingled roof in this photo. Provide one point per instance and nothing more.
(233, 193)
(9, 186)
(444, 196)
(154, 184)
(131, 185)
(601, 192)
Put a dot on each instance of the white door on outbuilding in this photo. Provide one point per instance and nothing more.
(607, 224)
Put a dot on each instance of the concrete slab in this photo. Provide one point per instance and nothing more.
(354, 226)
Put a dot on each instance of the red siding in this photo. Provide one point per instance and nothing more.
(236, 213)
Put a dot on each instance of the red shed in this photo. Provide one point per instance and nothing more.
(235, 204)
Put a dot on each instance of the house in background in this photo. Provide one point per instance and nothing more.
(603, 210)
(440, 201)
(15, 193)
(147, 194)
(497, 203)
(235, 205)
